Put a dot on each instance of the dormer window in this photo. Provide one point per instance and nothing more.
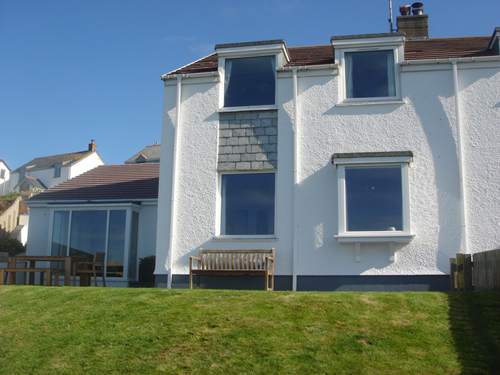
(368, 68)
(250, 81)
(248, 74)
(370, 74)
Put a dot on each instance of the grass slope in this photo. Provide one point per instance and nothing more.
(146, 331)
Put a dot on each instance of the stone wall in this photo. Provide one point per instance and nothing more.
(248, 141)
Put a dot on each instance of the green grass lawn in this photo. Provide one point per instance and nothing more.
(48, 330)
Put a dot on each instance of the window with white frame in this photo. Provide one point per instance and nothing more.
(250, 81)
(83, 232)
(373, 196)
(370, 74)
(57, 171)
(248, 204)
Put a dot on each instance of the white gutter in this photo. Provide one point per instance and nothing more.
(166, 77)
(295, 183)
(447, 61)
(308, 67)
(170, 253)
(461, 167)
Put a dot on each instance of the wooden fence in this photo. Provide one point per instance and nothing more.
(480, 271)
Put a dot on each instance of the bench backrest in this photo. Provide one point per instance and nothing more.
(235, 259)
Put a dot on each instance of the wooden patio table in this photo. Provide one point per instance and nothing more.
(32, 259)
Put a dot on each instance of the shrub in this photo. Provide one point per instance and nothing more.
(11, 246)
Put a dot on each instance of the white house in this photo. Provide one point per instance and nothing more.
(46, 172)
(4, 177)
(111, 209)
(366, 163)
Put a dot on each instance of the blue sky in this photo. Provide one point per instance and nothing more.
(75, 70)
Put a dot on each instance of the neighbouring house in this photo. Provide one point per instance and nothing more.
(111, 209)
(38, 175)
(150, 154)
(45, 172)
(4, 177)
(367, 163)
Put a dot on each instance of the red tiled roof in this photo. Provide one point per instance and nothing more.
(437, 48)
(447, 48)
(125, 182)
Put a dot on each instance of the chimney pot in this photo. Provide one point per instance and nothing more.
(405, 10)
(417, 9)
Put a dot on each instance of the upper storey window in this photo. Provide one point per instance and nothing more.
(370, 74)
(248, 74)
(250, 81)
(368, 68)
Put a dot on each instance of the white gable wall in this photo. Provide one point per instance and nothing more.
(86, 164)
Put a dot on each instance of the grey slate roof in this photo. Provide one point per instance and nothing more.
(35, 183)
(123, 182)
(47, 162)
(150, 154)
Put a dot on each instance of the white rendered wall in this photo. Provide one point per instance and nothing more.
(425, 124)
(86, 164)
(4, 182)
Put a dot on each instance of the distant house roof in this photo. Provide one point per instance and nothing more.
(434, 48)
(124, 182)
(150, 154)
(50, 161)
(34, 183)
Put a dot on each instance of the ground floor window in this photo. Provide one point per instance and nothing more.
(84, 232)
(248, 204)
(373, 195)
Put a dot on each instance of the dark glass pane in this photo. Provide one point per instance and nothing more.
(132, 257)
(60, 233)
(250, 81)
(248, 204)
(369, 74)
(60, 237)
(374, 199)
(88, 233)
(116, 243)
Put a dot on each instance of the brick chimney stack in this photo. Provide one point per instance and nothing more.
(415, 25)
(92, 146)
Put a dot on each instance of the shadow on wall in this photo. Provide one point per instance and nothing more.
(475, 326)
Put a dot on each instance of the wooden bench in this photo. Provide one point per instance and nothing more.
(233, 262)
(48, 271)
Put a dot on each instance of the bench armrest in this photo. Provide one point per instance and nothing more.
(191, 259)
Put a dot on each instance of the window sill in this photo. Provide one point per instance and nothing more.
(379, 237)
(250, 108)
(374, 102)
(223, 238)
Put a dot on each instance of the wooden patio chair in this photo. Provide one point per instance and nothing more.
(4, 258)
(94, 268)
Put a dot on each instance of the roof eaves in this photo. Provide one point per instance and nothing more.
(173, 72)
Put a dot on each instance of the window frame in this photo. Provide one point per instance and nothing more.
(378, 99)
(401, 236)
(220, 220)
(247, 107)
(128, 233)
(57, 170)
